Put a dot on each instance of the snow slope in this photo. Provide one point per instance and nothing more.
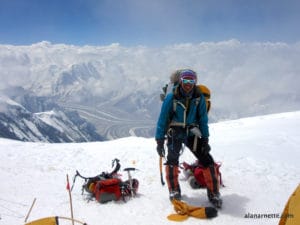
(260, 171)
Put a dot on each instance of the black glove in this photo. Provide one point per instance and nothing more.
(204, 146)
(160, 147)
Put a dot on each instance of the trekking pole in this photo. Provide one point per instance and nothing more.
(161, 172)
(27, 216)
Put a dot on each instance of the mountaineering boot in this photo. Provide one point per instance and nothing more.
(213, 185)
(172, 172)
(215, 199)
(175, 195)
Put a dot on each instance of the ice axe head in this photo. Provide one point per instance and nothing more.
(196, 131)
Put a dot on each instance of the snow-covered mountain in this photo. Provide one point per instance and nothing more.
(17, 122)
(103, 83)
(260, 169)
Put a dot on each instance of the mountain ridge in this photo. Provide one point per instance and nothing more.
(17, 122)
(246, 79)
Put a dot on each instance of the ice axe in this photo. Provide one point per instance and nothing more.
(196, 131)
(163, 95)
(128, 169)
(161, 172)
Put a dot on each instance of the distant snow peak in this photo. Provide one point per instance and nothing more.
(16, 122)
(46, 44)
(245, 79)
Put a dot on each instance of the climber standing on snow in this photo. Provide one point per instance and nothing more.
(183, 119)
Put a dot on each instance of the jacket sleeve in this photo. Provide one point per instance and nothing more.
(164, 117)
(203, 118)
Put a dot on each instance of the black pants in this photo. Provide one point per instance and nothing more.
(178, 136)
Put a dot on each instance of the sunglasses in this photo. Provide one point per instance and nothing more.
(187, 81)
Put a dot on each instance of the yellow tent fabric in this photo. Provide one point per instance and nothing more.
(291, 212)
(44, 221)
(52, 221)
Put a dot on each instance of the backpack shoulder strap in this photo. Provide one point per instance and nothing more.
(197, 101)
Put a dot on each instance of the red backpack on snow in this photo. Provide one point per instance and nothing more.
(108, 190)
(194, 173)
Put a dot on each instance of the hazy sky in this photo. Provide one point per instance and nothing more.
(148, 22)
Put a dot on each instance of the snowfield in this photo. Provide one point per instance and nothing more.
(260, 170)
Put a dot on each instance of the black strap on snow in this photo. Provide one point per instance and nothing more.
(118, 166)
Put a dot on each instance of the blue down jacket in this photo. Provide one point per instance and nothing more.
(171, 115)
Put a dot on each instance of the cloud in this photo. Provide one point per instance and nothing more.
(242, 76)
